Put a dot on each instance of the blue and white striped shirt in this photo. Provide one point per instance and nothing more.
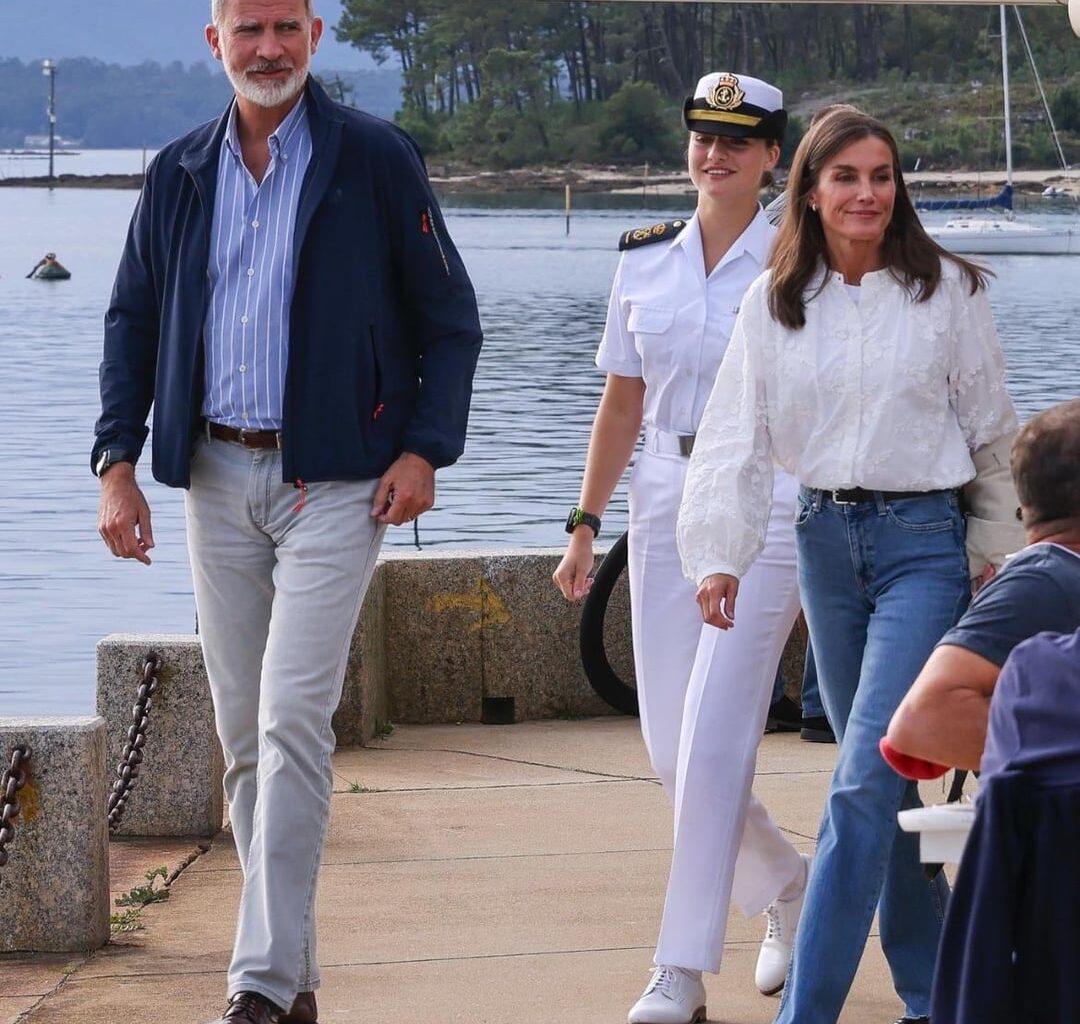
(246, 332)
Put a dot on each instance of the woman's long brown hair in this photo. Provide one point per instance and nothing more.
(911, 255)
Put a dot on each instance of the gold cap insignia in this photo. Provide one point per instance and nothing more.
(726, 94)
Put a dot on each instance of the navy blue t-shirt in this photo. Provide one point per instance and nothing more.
(1034, 721)
(1036, 591)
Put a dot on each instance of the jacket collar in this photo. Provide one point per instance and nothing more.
(200, 158)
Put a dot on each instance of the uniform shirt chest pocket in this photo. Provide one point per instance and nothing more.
(653, 331)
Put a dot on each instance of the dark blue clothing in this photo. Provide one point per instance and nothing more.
(1034, 721)
(1010, 946)
(1036, 590)
(384, 332)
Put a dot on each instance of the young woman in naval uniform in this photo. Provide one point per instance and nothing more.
(703, 693)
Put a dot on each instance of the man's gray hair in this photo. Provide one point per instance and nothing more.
(217, 10)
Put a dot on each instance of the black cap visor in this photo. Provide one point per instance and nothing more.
(744, 122)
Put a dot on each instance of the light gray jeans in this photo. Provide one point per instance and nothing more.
(278, 590)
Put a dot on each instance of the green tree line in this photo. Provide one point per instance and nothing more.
(509, 84)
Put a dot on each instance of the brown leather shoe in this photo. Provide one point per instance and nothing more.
(304, 1010)
(250, 1008)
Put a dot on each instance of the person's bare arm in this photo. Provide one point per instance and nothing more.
(614, 434)
(943, 717)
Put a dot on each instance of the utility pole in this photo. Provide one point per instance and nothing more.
(48, 69)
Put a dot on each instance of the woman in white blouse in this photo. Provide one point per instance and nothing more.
(703, 694)
(866, 363)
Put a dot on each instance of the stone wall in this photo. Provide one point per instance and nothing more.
(438, 636)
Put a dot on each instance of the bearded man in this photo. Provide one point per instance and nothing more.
(291, 305)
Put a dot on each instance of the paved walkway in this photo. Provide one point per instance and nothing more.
(472, 874)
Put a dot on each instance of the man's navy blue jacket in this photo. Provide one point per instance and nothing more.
(384, 332)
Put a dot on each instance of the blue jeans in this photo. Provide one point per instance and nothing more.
(881, 582)
(811, 695)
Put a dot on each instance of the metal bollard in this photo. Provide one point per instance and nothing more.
(54, 884)
(178, 760)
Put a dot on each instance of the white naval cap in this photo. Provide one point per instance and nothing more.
(736, 105)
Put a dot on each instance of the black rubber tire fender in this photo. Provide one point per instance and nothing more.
(602, 677)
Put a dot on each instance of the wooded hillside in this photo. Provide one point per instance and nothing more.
(508, 84)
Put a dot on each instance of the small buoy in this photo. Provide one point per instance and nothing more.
(49, 268)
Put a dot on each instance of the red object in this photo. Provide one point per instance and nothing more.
(908, 766)
(425, 223)
(302, 487)
(378, 411)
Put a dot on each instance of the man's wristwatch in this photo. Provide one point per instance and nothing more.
(109, 457)
(578, 516)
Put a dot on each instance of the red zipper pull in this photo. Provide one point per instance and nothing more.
(302, 487)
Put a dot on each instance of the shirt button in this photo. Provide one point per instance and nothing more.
(254, 223)
(243, 319)
(251, 271)
(243, 367)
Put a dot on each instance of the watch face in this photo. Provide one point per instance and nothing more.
(578, 516)
(109, 457)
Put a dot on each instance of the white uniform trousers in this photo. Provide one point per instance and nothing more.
(704, 696)
(278, 590)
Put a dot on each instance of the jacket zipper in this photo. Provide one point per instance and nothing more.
(377, 407)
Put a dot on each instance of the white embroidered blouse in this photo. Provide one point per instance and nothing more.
(884, 393)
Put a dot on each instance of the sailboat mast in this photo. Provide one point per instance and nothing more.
(1005, 90)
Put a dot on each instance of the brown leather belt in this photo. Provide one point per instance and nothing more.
(243, 436)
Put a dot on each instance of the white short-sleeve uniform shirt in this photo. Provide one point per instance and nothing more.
(670, 324)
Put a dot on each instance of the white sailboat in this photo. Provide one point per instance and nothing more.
(992, 235)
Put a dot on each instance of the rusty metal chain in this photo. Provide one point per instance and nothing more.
(13, 779)
(127, 770)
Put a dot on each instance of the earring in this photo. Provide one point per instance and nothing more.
(813, 206)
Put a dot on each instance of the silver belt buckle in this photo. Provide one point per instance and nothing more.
(686, 444)
(840, 501)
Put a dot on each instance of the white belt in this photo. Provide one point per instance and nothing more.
(664, 442)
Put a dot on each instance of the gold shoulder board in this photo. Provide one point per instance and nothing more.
(646, 236)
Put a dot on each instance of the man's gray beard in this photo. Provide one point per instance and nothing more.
(268, 94)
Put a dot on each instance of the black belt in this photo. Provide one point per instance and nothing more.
(855, 495)
(243, 436)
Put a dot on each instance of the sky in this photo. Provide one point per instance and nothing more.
(133, 31)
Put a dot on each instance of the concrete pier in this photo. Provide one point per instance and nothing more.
(472, 875)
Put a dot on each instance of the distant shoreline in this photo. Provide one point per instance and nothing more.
(611, 180)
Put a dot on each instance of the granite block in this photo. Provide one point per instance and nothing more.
(364, 699)
(529, 639)
(435, 609)
(179, 791)
(55, 886)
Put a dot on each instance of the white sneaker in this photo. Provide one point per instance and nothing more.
(673, 996)
(775, 954)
